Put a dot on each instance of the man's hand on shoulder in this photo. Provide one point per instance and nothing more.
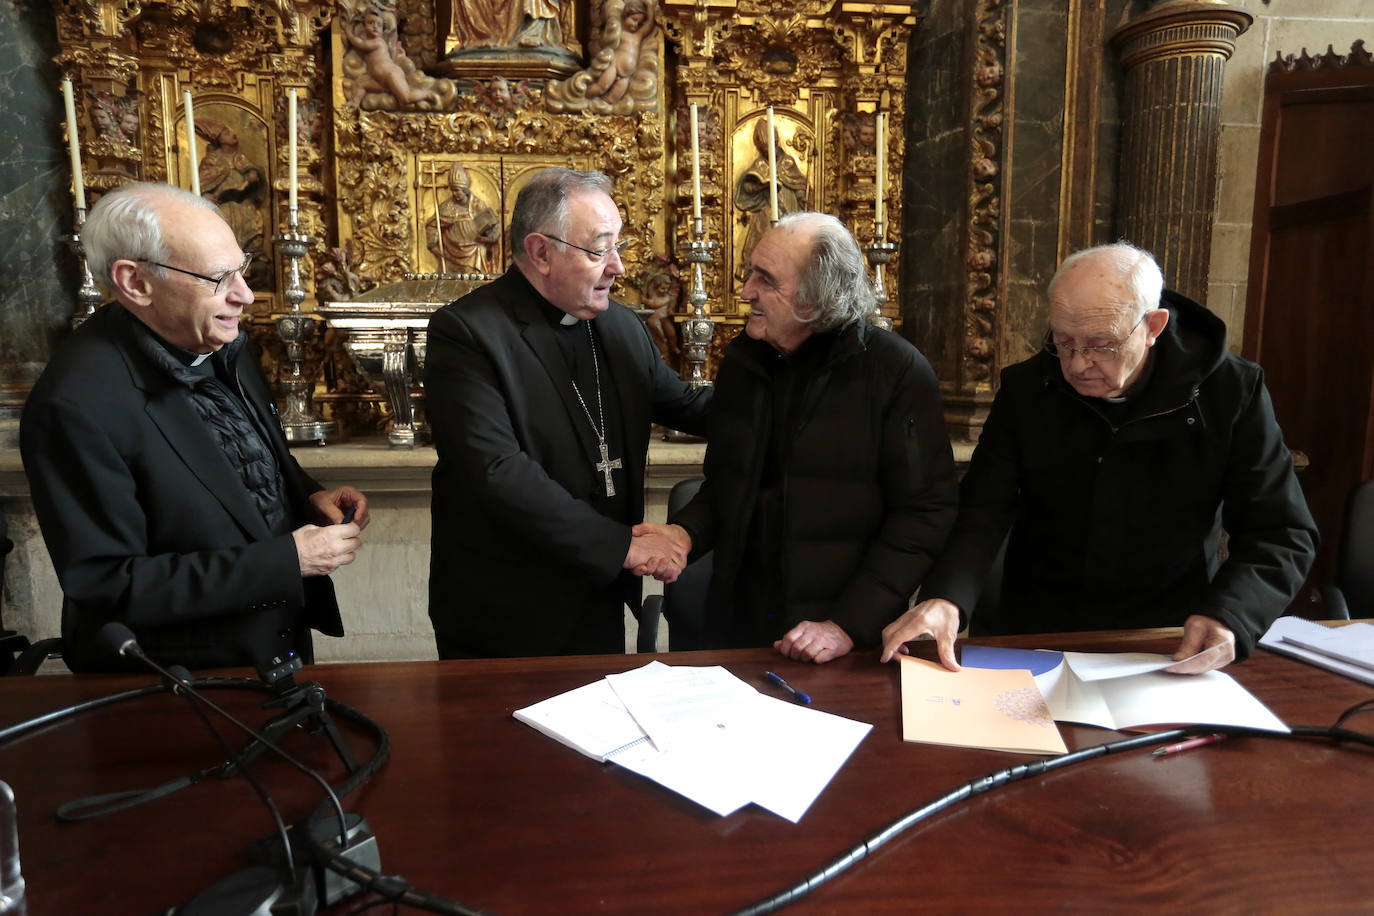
(658, 550)
(815, 641)
(1210, 640)
(934, 617)
(329, 506)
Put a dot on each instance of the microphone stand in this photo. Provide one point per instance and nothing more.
(260, 740)
(301, 891)
(303, 704)
(356, 842)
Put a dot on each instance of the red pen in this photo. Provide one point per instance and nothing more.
(1188, 745)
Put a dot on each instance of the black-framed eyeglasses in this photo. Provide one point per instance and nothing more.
(1104, 354)
(219, 281)
(599, 255)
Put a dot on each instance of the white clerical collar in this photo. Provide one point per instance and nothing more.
(200, 358)
(568, 320)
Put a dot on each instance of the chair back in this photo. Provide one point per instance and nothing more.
(1355, 562)
(6, 545)
(12, 644)
(684, 601)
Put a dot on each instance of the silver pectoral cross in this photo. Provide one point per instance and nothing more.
(605, 466)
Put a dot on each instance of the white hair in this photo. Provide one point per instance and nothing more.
(1137, 268)
(126, 224)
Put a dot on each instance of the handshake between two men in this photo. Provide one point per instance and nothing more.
(662, 551)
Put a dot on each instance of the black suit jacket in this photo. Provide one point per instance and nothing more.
(516, 547)
(147, 522)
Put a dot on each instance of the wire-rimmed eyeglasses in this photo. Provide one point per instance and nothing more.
(599, 255)
(1102, 354)
(219, 281)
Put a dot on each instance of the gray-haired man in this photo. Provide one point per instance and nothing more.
(830, 485)
(541, 391)
(160, 475)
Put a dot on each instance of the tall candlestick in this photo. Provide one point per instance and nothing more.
(191, 144)
(291, 133)
(881, 179)
(696, 167)
(772, 169)
(74, 145)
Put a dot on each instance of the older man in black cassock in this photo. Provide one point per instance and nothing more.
(541, 391)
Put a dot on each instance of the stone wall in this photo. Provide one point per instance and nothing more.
(930, 288)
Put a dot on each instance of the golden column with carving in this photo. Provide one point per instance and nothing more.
(1173, 56)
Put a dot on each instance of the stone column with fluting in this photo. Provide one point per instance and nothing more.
(1173, 56)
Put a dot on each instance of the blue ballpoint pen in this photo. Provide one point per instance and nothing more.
(796, 694)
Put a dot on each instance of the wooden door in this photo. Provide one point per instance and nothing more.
(1309, 318)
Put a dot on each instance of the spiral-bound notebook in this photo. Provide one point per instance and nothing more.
(1347, 650)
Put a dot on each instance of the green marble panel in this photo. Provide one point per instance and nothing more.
(37, 282)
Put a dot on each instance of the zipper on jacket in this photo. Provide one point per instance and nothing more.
(1192, 398)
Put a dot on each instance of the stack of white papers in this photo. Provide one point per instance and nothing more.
(1122, 690)
(705, 734)
(1347, 649)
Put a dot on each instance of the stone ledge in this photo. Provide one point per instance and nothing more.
(374, 459)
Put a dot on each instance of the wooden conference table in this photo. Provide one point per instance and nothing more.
(475, 806)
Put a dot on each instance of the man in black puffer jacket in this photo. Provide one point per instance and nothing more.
(1115, 458)
(830, 484)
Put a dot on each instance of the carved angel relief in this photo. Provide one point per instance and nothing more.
(377, 72)
(623, 75)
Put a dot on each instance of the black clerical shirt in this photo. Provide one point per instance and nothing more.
(575, 343)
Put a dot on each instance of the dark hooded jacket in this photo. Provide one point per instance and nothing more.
(861, 474)
(1116, 509)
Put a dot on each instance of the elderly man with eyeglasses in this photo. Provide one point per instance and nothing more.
(160, 475)
(1114, 459)
(541, 391)
(830, 484)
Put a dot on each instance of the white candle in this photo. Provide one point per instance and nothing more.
(74, 145)
(772, 169)
(191, 145)
(291, 133)
(696, 168)
(881, 180)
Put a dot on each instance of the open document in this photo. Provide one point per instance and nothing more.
(1122, 690)
(705, 734)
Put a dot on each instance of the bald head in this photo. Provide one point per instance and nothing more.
(1131, 269)
(1105, 317)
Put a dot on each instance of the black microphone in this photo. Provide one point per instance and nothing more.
(356, 841)
(258, 889)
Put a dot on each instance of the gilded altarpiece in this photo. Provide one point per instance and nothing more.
(133, 64)
(419, 122)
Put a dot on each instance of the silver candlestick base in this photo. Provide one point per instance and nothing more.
(700, 329)
(298, 419)
(88, 296)
(879, 254)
